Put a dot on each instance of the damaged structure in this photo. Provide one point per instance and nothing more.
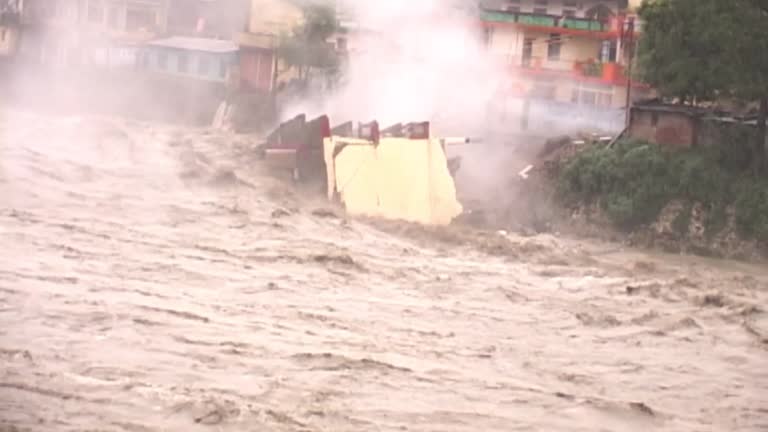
(399, 172)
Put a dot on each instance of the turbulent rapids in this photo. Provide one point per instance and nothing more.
(154, 278)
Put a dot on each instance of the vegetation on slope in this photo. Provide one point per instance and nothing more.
(634, 180)
(705, 50)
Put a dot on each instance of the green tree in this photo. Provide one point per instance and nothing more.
(702, 50)
(307, 47)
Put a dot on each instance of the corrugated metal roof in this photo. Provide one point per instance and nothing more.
(196, 44)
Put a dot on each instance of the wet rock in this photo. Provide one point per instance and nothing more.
(645, 266)
(324, 213)
(642, 407)
(335, 259)
(597, 320)
(280, 212)
(223, 178)
(713, 300)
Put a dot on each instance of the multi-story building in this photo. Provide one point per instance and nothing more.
(88, 32)
(259, 63)
(213, 19)
(10, 27)
(202, 59)
(571, 51)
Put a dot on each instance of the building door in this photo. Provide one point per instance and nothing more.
(527, 52)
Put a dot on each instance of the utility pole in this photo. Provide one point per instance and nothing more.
(627, 39)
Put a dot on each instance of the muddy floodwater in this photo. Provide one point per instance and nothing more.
(154, 278)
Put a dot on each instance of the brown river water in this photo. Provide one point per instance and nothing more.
(154, 278)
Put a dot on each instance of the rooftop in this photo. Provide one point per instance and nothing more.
(196, 44)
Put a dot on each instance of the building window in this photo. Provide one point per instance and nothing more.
(2, 35)
(588, 97)
(113, 17)
(203, 65)
(512, 6)
(654, 119)
(527, 52)
(553, 46)
(95, 12)
(592, 97)
(488, 36)
(341, 44)
(138, 19)
(543, 91)
(570, 7)
(540, 11)
(183, 63)
(223, 69)
(162, 60)
(604, 99)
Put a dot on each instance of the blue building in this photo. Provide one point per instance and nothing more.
(198, 58)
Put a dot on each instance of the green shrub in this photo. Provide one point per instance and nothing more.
(682, 221)
(752, 208)
(635, 180)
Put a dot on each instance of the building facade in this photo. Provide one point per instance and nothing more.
(90, 32)
(10, 27)
(568, 51)
(268, 20)
(214, 19)
(201, 59)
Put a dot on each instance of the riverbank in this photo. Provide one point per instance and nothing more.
(702, 201)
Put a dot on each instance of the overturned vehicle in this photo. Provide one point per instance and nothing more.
(398, 172)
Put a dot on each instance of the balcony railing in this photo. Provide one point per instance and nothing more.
(547, 20)
(586, 70)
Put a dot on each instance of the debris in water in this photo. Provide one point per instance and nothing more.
(280, 212)
(339, 259)
(643, 408)
(524, 172)
(324, 213)
(713, 300)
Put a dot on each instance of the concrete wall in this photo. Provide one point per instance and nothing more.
(668, 128)
(257, 68)
(9, 40)
(118, 92)
(85, 32)
(508, 42)
(273, 16)
(554, 7)
(422, 191)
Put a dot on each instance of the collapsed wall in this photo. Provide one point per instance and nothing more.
(399, 173)
(399, 178)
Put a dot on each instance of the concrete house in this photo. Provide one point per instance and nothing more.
(563, 50)
(258, 58)
(91, 32)
(10, 27)
(197, 58)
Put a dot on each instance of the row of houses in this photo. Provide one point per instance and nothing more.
(573, 52)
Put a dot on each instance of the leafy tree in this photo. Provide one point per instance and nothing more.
(702, 50)
(307, 47)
